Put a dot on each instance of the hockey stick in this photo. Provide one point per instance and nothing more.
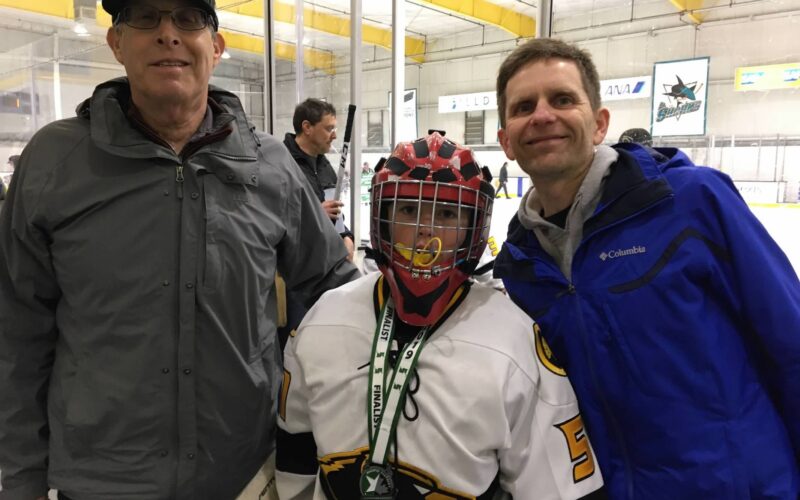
(351, 112)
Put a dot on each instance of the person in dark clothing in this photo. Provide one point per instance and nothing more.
(503, 180)
(13, 160)
(314, 123)
(637, 136)
(315, 129)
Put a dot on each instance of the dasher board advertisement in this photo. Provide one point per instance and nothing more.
(680, 94)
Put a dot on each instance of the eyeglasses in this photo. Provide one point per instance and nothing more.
(330, 129)
(145, 17)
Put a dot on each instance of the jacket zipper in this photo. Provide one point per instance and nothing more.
(614, 424)
(179, 179)
(616, 429)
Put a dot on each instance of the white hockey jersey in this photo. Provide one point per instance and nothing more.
(484, 413)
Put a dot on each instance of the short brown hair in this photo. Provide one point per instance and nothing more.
(547, 48)
(311, 110)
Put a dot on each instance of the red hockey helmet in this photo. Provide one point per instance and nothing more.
(430, 214)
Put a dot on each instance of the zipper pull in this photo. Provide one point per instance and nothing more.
(569, 291)
(179, 180)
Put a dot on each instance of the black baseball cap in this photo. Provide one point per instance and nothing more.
(114, 7)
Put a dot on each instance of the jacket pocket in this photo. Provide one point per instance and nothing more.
(224, 205)
(624, 358)
(82, 417)
(211, 255)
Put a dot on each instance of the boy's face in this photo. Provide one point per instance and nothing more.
(446, 224)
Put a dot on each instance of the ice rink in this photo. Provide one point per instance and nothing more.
(783, 223)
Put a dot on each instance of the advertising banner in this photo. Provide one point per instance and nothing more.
(460, 103)
(620, 89)
(774, 76)
(761, 191)
(680, 94)
(408, 120)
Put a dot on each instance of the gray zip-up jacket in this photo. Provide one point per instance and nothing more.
(138, 355)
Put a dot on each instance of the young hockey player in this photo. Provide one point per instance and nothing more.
(415, 383)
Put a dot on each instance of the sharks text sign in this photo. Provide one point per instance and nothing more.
(680, 94)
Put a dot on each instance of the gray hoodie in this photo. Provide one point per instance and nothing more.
(561, 243)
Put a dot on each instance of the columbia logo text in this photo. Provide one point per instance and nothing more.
(613, 254)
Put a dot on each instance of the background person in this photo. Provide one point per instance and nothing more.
(478, 413)
(667, 302)
(13, 160)
(138, 249)
(637, 136)
(503, 180)
(314, 124)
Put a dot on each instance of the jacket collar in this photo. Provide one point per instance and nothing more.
(636, 182)
(112, 130)
(290, 140)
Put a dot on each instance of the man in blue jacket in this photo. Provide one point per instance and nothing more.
(672, 310)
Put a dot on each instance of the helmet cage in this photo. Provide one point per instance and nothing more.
(472, 235)
(442, 181)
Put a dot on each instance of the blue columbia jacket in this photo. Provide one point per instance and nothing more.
(680, 331)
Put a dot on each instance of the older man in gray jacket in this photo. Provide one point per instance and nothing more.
(138, 249)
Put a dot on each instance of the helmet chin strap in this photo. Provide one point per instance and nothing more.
(422, 257)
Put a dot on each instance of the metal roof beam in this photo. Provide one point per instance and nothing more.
(313, 58)
(687, 7)
(331, 24)
(514, 22)
(58, 8)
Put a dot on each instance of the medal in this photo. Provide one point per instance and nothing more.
(377, 483)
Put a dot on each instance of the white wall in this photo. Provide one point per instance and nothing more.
(756, 42)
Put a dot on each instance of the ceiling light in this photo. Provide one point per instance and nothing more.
(80, 29)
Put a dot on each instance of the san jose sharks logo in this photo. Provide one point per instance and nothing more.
(682, 92)
(682, 99)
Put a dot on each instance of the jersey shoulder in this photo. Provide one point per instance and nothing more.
(348, 305)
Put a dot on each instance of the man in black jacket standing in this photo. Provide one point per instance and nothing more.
(314, 124)
(503, 181)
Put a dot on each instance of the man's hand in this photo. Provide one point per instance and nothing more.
(351, 247)
(332, 208)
